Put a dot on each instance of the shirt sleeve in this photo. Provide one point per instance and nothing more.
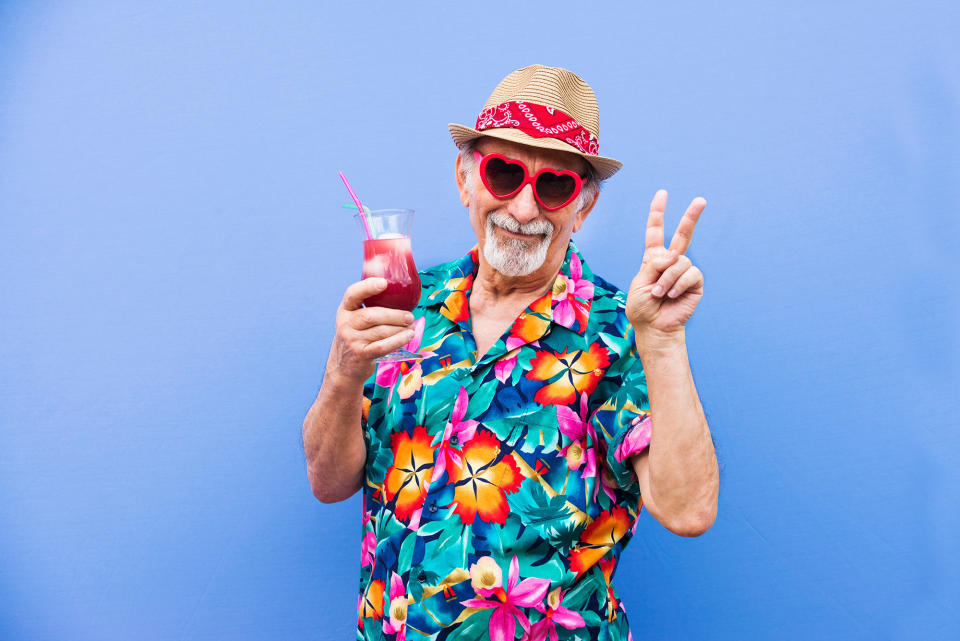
(623, 424)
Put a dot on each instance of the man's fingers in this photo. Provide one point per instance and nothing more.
(655, 262)
(670, 276)
(681, 238)
(690, 280)
(367, 317)
(354, 296)
(385, 346)
(380, 332)
(655, 220)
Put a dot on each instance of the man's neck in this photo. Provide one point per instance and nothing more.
(496, 300)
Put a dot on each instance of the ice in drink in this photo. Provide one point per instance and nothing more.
(392, 258)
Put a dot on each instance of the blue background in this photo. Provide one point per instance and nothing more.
(172, 249)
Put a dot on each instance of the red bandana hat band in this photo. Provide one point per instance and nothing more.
(539, 121)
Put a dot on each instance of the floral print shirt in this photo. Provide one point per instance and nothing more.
(498, 495)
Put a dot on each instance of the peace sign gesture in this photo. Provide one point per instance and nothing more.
(668, 287)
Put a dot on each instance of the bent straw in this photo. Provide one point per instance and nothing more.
(353, 195)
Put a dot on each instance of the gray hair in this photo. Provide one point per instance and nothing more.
(468, 164)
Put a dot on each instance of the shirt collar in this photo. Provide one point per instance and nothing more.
(567, 304)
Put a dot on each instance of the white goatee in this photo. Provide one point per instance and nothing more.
(516, 256)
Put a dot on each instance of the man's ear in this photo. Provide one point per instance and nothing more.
(583, 213)
(462, 182)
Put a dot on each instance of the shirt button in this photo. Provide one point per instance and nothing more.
(433, 508)
(422, 576)
(454, 440)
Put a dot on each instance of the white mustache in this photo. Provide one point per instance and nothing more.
(508, 222)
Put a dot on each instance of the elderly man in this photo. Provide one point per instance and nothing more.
(503, 473)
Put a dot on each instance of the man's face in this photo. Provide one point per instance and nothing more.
(517, 236)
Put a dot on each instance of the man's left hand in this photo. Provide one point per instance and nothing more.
(668, 287)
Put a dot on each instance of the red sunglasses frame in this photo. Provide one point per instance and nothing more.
(527, 178)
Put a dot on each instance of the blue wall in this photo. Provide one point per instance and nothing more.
(172, 248)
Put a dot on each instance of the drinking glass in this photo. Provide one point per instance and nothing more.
(387, 254)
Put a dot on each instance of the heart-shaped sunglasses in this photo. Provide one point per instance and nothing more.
(505, 177)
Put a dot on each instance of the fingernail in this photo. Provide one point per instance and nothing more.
(409, 335)
(657, 291)
(408, 318)
(381, 282)
(673, 293)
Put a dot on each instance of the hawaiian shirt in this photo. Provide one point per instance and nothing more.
(498, 495)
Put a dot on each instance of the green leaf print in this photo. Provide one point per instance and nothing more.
(406, 553)
(536, 508)
(475, 628)
(481, 399)
(432, 527)
(453, 532)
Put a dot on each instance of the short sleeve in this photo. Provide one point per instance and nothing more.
(623, 423)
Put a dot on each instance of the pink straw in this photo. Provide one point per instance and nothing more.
(356, 200)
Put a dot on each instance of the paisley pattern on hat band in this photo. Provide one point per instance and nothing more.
(539, 121)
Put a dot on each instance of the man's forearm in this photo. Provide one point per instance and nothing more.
(333, 440)
(682, 464)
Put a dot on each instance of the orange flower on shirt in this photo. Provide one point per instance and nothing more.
(365, 409)
(571, 372)
(607, 567)
(530, 326)
(409, 475)
(601, 535)
(482, 483)
(372, 605)
(455, 306)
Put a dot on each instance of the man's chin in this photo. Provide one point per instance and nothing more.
(513, 261)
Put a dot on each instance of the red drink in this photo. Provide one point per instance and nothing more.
(391, 258)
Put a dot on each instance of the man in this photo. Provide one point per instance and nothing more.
(503, 473)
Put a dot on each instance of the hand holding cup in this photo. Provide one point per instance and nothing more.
(364, 334)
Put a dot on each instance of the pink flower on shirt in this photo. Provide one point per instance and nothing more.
(636, 439)
(571, 296)
(455, 434)
(396, 622)
(367, 549)
(527, 594)
(407, 372)
(554, 613)
(580, 451)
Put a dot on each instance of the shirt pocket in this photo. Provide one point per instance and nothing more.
(557, 497)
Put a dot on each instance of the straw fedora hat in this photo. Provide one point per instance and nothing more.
(545, 107)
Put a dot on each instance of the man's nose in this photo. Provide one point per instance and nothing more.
(523, 206)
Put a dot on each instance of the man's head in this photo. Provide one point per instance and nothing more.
(538, 118)
(517, 235)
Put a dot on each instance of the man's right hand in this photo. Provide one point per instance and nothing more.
(365, 333)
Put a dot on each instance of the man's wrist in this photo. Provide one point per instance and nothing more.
(335, 381)
(654, 343)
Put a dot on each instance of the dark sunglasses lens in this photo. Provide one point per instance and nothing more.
(503, 177)
(555, 189)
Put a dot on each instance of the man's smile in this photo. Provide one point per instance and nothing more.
(513, 234)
